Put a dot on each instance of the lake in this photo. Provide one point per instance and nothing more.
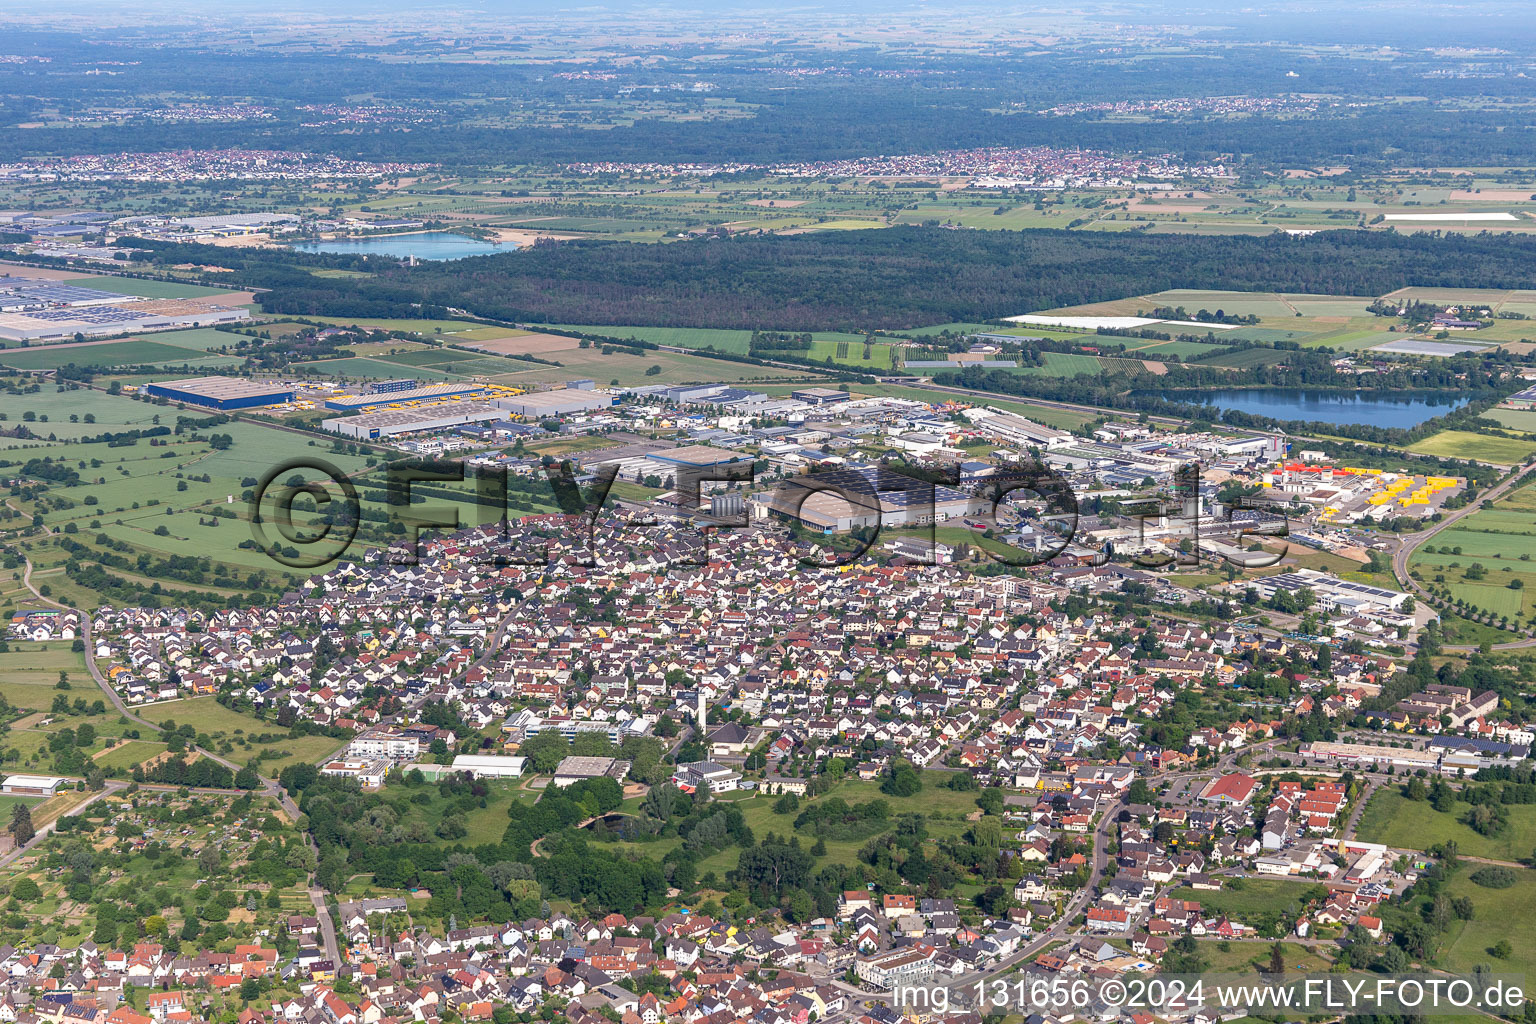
(1373, 408)
(427, 245)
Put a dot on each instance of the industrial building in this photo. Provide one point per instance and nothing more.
(862, 498)
(222, 392)
(490, 766)
(696, 456)
(819, 396)
(1331, 594)
(429, 393)
(59, 323)
(386, 387)
(556, 403)
(1017, 430)
(1371, 754)
(731, 504)
(576, 768)
(374, 425)
(23, 293)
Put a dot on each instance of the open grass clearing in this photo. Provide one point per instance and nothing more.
(1393, 819)
(1256, 897)
(269, 756)
(126, 756)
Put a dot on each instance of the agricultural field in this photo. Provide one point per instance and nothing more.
(1523, 420)
(1393, 819)
(146, 289)
(1186, 350)
(672, 368)
(1489, 558)
(1338, 322)
(110, 354)
(1064, 364)
(1461, 444)
(1246, 358)
(48, 729)
(683, 337)
(29, 672)
(429, 328)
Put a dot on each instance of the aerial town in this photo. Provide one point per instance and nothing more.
(694, 514)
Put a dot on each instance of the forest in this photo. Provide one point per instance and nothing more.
(863, 280)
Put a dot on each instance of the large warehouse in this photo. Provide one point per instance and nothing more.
(374, 425)
(861, 497)
(699, 456)
(430, 393)
(556, 403)
(56, 324)
(222, 392)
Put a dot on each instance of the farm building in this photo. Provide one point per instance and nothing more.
(32, 785)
